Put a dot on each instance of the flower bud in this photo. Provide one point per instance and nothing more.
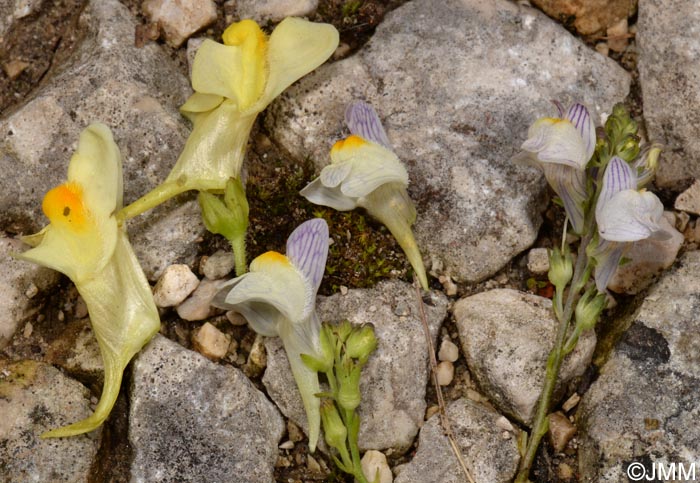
(588, 310)
(333, 428)
(236, 202)
(361, 343)
(647, 163)
(343, 330)
(561, 268)
(349, 385)
(216, 216)
(628, 148)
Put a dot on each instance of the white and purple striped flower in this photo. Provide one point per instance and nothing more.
(364, 172)
(278, 298)
(562, 147)
(624, 214)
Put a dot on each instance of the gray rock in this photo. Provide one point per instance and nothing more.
(490, 453)
(192, 420)
(35, 397)
(18, 279)
(644, 406)
(180, 18)
(394, 380)
(506, 337)
(689, 200)
(167, 235)
(274, 10)
(218, 265)
(456, 83)
(135, 91)
(647, 258)
(668, 66)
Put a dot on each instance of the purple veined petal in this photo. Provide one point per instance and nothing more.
(608, 255)
(333, 174)
(570, 184)
(579, 116)
(363, 121)
(559, 107)
(630, 216)
(307, 248)
(619, 176)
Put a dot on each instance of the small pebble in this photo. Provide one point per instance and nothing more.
(689, 200)
(211, 342)
(32, 290)
(431, 411)
(174, 285)
(81, 310)
(617, 36)
(295, 434)
(571, 403)
(14, 68)
(565, 471)
(235, 318)
(257, 358)
(373, 464)
(180, 19)
(287, 445)
(217, 265)
(342, 51)
(198, 306)
(448, 351)
(28, 329)
(61, 316)
(402, 309)
(312, 465)
(602, 48)
(448, 285)
(560, 431)
(538, 261)
(343, 290)
(504, 424)
(445, 373)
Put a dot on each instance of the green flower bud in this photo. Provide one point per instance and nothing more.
(628, 148)
(333, 428)
(349, 385)
(343, 330)
(216, 216)
(237, 203)
(561, 267)
(588, 309)
(361, 343)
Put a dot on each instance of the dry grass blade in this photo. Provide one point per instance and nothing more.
(444, 420)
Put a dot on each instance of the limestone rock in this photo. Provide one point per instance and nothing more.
(35, 397)
(192, 420)
(174, 285)
(491, 454)
(180, 18)
(456, 84)
(668, 67)
(643, 406)
(274, 10)
(506, 337)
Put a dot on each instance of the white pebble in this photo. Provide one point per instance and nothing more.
(445, 373)
(287, 445)
(176, 283)
(448, 351)
(31, 291)
(374, 462)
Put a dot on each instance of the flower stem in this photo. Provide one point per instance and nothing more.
(239, 257)
(540, 425)
(160, 194)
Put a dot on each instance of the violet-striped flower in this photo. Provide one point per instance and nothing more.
(562, 147)
(624, 214)
(364, 172)
(278, 298)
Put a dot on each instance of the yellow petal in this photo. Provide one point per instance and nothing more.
(296, 47)
(124, 318)
(97, 167)
(215, 149)
(199, 102)
(236, 70)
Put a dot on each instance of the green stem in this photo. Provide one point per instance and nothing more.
(239, 257)
(556, 356)
(353, 425)
(159, 194)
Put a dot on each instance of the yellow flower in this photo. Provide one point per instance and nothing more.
(84, 241)
(233, 82)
